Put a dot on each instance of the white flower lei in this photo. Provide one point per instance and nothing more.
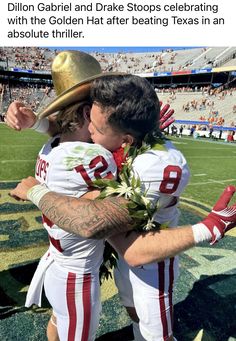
(140, 208)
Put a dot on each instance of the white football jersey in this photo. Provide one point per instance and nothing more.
(69, 168)
(164, 174)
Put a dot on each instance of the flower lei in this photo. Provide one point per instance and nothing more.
(128, 185)
(140, 208)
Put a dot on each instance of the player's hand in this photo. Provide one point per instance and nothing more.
(165, 116)
(20, 192)
(19, 117)
(222, 217)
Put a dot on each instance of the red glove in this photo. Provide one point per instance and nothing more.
(165, 115)
(221, 219)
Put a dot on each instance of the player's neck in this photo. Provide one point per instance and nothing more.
(74, 136)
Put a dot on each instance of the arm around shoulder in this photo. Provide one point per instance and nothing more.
(143, 248)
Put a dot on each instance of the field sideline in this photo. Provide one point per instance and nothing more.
(212, 164)
(206, 290)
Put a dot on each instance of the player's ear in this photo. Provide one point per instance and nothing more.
(127, 140)
(86, 112)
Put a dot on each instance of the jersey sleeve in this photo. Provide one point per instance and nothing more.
(163, 175)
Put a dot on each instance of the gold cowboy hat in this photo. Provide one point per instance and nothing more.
(72, 74)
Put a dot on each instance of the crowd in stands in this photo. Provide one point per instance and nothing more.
(207, 101)
(39, 59)
(36, 95)
(33, 58)
(33, 94)
(36, 58)
(206, 105)
(137, 63)
(166, 60)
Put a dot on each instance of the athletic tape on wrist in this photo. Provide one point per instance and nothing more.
(41, 126)
(36, 193)
(201, 233)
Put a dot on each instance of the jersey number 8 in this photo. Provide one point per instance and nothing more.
(171, 179)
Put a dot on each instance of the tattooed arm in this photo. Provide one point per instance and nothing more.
(88, 218)
(104, 218)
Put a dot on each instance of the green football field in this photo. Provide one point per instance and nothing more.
(212, 164)
(205, 296)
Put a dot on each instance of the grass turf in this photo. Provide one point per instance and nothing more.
(212, 163)
(18, 152)
(205, 290)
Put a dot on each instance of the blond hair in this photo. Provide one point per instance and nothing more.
(71, 117)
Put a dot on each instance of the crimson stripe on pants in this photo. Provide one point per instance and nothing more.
(171, 279)
(87, 306)
(86, 297)
(161, 274)
(70, 297)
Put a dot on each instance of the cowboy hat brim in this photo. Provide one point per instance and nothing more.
(75, 94)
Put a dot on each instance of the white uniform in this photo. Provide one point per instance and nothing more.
(70, 268)
(164, 175)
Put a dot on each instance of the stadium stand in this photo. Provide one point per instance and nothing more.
(198, 83)
(33, 58)
(213, 57)
(200, 106)
(39, 59)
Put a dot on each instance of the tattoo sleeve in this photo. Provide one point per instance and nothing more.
(95, 219)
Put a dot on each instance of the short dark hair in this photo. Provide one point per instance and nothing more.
(130, 102)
